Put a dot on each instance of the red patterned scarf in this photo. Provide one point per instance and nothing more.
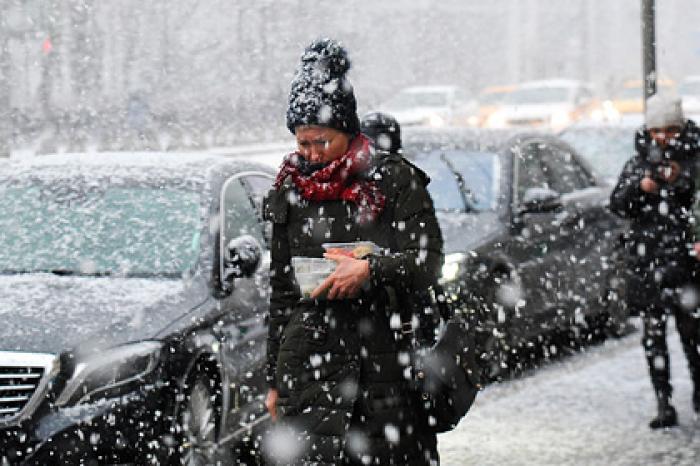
(338, 180)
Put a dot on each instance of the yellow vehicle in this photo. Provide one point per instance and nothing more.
(490, 99)
(630, 98)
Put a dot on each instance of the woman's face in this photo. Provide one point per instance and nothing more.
(321, 145)
(663, 135)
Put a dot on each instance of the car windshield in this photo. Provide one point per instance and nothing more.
(480, 175)
(406, 100)
(690, 88)
(606, 151)
(493, 98)
(73, 228)
(631, 93)
(538, 95)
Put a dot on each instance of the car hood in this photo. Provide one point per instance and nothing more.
(464, 232)
(48, 313)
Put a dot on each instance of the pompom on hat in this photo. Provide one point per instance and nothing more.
(663, 110)
(320, 93)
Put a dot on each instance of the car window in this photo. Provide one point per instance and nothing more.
(583, 96)
(564, 172)
(479, 172)
(605, 150)
(103, 227)
(443, 186)
(239, 213)
(258, 186)
(530, 170)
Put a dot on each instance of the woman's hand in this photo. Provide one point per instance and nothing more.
(271, 403)
(648, 185)
(347, 279)
(696, 247)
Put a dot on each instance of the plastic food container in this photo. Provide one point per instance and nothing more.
(310, 272)
(358, 249)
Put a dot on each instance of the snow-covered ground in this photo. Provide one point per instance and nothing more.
(588, 409)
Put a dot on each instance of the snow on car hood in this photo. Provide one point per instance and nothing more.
(48, 313)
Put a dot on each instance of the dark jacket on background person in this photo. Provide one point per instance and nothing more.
(660, 230)
(339, 366)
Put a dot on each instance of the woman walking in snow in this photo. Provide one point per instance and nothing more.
(338, 366)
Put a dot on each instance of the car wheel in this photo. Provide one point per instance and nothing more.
(198, 422)
(495, 351)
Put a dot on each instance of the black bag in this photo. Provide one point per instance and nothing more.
(446, 374)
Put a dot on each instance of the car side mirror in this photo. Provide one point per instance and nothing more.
(241, 258)
(540, 200)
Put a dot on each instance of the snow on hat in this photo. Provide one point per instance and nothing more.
(663, 110)
(320, 93)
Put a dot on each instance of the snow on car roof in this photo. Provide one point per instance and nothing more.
(142, 159)
(552, 83)
(433, 88)
(127, 164)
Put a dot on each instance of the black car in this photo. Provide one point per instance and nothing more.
(530, 246)
(132, 299)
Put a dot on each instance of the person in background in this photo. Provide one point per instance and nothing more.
(655, 191)
(339, 380)
(696, 213)
(383, 130)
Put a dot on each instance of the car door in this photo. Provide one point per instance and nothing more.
(586, 229)
(243, 327)
(534, 245)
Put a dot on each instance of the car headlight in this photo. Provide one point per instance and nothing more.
(436, 120)
(560, 119)
(109, 370)
(610, 112)
(450, 268)
(496, 120)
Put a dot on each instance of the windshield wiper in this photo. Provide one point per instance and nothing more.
(59, 272)
(102, 273)
(464, 190)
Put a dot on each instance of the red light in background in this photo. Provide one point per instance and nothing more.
(47, 46)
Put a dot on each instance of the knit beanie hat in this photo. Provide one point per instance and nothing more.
(320, 94)
(663, 110)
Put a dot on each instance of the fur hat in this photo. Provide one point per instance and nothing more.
(320, 94)
(663, 110)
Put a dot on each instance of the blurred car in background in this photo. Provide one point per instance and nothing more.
(552, 104)
(690, 93)
(606, 149)
(490, 100)
(630, 98)
(530, 247)
(434, 106)
(133, 295)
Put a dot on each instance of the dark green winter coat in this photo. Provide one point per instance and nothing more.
(340, 366)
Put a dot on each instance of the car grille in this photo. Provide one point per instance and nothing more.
(21, 376)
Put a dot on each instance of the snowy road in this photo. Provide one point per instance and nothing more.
(588, 409)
